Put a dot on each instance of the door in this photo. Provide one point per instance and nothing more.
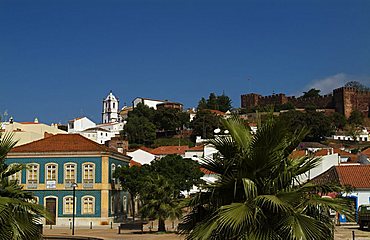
(51, 207)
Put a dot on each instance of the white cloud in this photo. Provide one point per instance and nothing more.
(328, 84)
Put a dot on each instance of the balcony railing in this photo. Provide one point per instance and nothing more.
(68, 182)
(88, 183)
(32, 184)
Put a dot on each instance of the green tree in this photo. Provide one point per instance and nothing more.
(139, 130)
(357, 85)
(132, 179)
(319, 124)
(339, 120)
(181, 173)
(214, 102)
(356, 118)
(202, 104)
(224, 103)
(159, 201)
(257, 195)
(19, 217)
(311, 93)
(142, 110)
(204, 123)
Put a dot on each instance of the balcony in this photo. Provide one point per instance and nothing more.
(88, 183)
(32, 184)
(68, 183)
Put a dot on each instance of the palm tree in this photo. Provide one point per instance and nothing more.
(259, 194)
(159, 201)
(19, 217)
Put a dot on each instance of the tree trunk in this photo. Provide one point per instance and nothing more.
(161, 225)
(133, 207)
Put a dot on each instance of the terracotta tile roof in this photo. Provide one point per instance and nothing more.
(357, 176)
(366, 152)
(298, 154)
(166, 150)
(196, 148)
(217, 112)
(29, 123)
(206, 171)
(134, 163)
(62, 143)
(352, 157)
(306, 145)
(322, 152)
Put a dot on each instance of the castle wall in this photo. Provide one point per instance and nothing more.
(344, 100)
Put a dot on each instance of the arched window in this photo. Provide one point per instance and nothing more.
(112, 169)
(88, 205)
(16, 176)
(32, 175)
(51, 175)
(69, 174)
(88, 173)
(68, 205)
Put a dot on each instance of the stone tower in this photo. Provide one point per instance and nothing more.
(110, 109)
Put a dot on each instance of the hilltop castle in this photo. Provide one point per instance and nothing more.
(343, 100)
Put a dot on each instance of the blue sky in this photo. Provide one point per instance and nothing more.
(60, 58)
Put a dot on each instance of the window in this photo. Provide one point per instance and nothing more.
(68, 205)
(88, 205)
(16, 177)
(88, 175)
(125, 203)
(51, 175)
(114, 105)
(112, 169)
(32, 175)
(69, 174)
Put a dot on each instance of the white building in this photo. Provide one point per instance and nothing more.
(363, 136)
(80, 124)
(110, 112)
(114, 127)
(26, 132)
(97, 134)
(152, 103)
(142, 155)
(356, 176)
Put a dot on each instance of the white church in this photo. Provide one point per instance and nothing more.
(111, 122)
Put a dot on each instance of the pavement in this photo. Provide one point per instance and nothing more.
(343, 232)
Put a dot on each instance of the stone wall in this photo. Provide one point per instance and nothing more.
(344, 100)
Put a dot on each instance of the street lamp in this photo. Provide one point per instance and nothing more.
(74, 185)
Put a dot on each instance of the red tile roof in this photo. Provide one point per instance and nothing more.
(352, 157)
(134, 163)
(217, 112)
(196, 148)
(366, 152)
(166, 150)
(357, 176)
(62, 143)
(206, 171)
(298, 154)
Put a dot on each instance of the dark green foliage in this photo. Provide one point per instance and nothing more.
(172, 142)
(139, 130)
(257, 195)
(285, 106)
(168, 119)
(204, 123)
(357, 85)
(356, 118)
(319, 124)
(181, 173)
(214, 102)
(132, 179)
(159, 201)
(311, 93)
(339, 120)
(19, 218)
